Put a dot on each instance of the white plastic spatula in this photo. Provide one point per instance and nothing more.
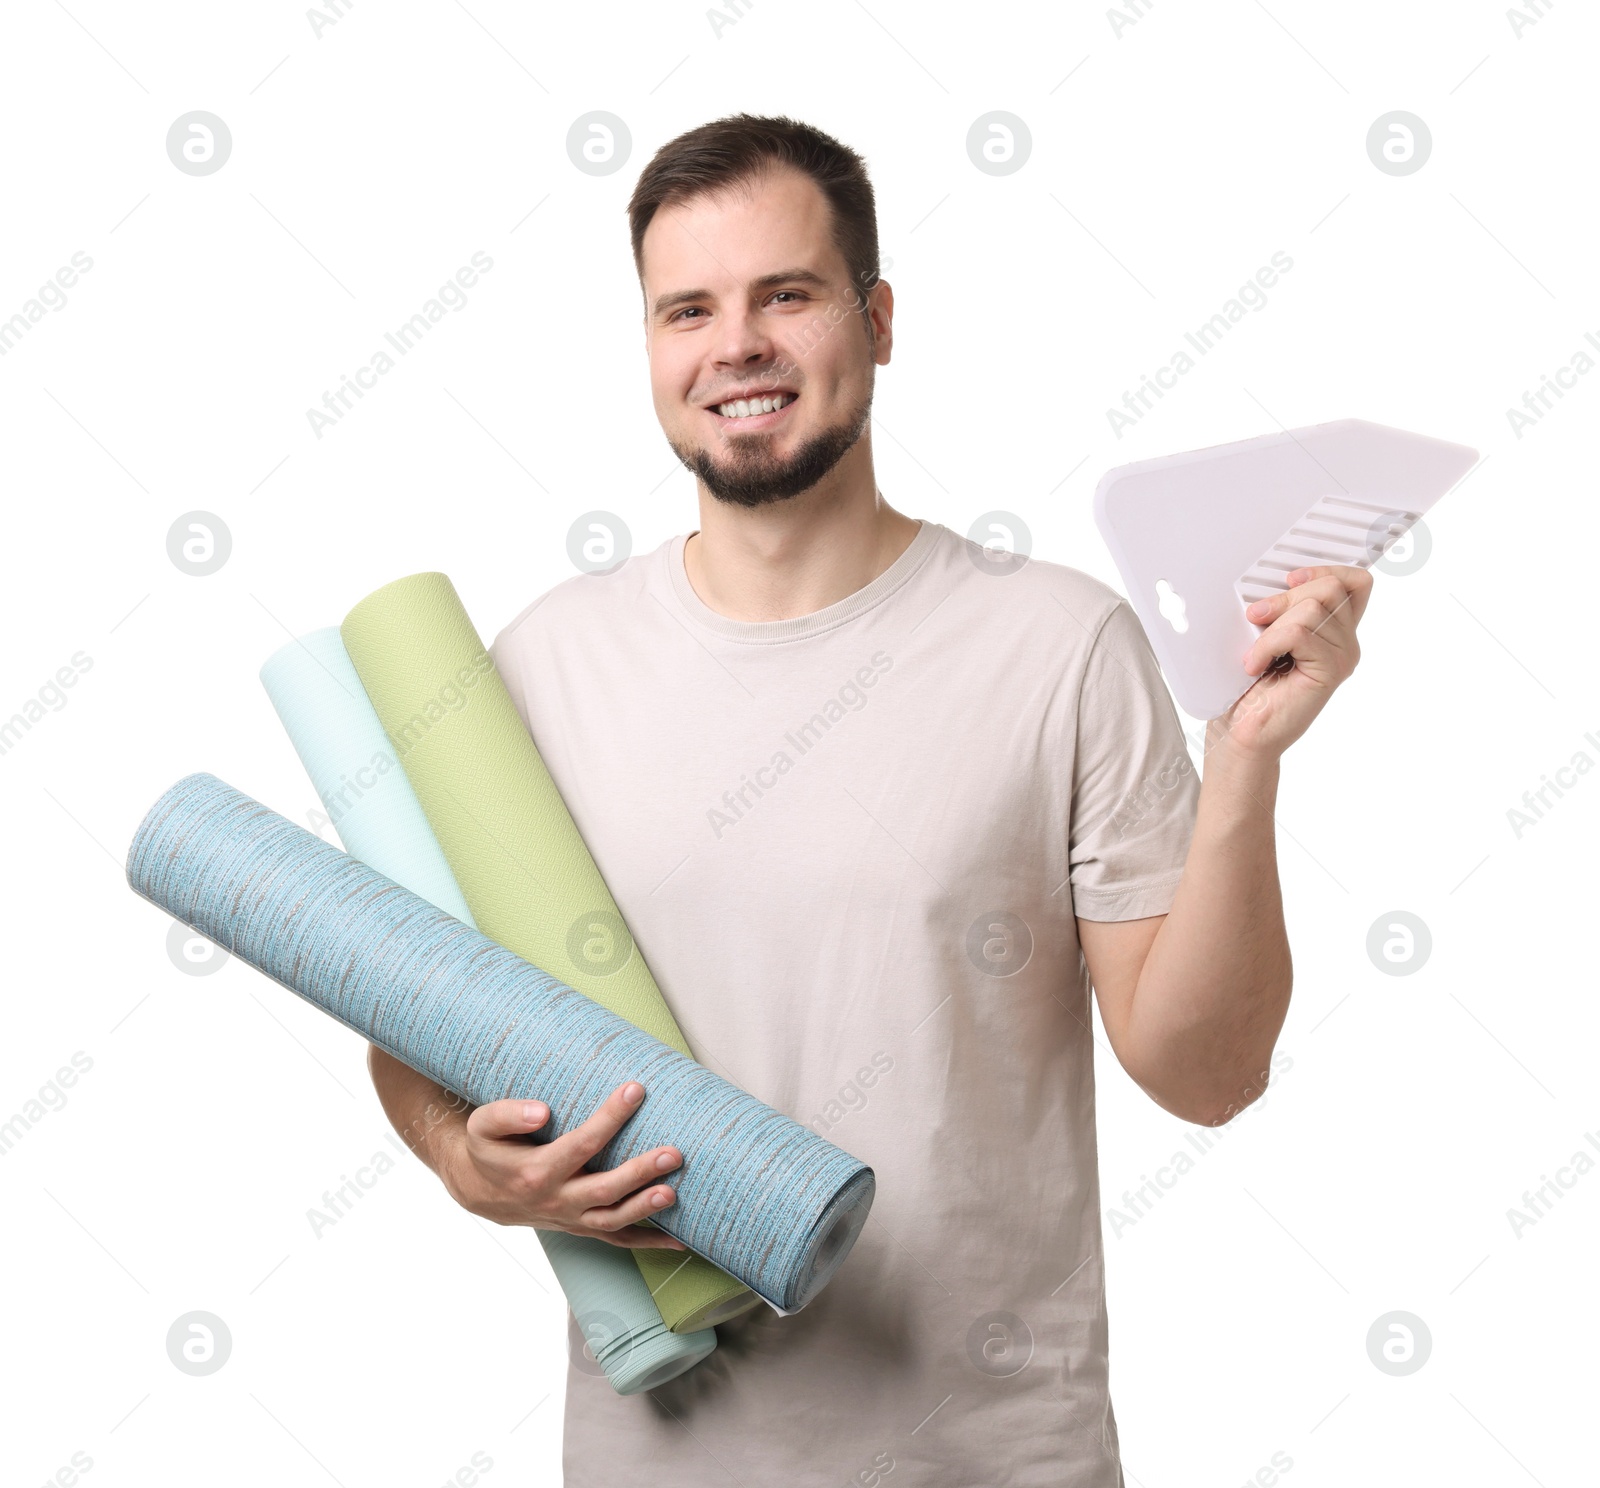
(1198, 536)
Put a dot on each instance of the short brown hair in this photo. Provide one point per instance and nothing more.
(740, 148)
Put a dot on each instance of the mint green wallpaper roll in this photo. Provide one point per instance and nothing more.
(332, 725)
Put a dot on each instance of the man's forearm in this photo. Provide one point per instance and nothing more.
(1214, 989)
(424, 1113)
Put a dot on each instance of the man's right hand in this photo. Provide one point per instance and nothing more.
(492, 1169)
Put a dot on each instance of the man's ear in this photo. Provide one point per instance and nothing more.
(882, 341)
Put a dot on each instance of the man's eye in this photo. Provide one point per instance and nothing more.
(684, 311)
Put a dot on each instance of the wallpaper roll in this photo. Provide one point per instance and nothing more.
(617, 1317)
(512, 844)
(363, 788)
(765, 1198)
(330, 722)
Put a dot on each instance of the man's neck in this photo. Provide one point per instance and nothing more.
(794, 557)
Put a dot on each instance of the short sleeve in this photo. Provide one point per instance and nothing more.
(1135, 789)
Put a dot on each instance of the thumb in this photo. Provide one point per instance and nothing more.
(508, 1118)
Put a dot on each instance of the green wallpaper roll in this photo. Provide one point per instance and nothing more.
(513, 847)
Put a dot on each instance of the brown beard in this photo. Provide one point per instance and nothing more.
(767, 482)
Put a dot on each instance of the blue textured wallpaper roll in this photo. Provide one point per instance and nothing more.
(762, 1196)
(331, 722)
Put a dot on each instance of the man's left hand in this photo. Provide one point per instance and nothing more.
(1313, 622)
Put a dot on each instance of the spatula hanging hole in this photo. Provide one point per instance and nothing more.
(1174, 610)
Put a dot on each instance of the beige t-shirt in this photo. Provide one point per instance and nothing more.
(851, 847)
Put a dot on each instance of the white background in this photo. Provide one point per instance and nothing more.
(1171, 158)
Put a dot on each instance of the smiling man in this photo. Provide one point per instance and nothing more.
(880, 805)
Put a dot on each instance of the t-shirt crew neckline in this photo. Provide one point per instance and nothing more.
(766, 632)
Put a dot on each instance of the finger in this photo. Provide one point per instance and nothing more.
(1341, 618)
(613, 1217)
(1327, 589)
(615, 1184)
(570, 1151)
(1334, 584)
(637, 1237)
(507, 1118)
(1357, 582)
(1297, 635)
(1279, 638)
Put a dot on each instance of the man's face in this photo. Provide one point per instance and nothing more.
(746, 297)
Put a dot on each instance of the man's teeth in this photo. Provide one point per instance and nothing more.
(749, 407)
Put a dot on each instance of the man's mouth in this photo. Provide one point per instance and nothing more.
(752, 413)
